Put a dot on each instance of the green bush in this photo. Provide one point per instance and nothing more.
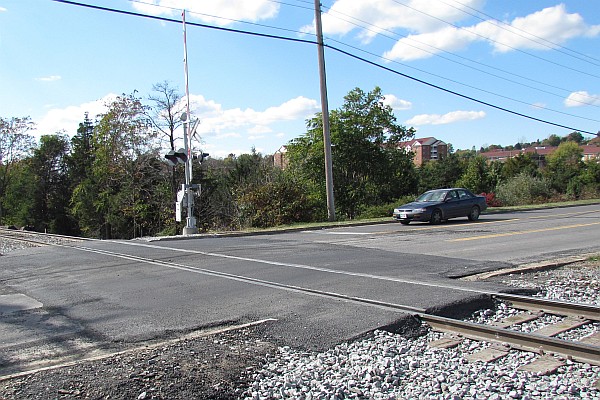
(282, 202)
(524, 189)
(384, 210)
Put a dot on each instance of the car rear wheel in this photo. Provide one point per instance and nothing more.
(436, 217)
(474, 214)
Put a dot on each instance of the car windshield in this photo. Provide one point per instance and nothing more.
(434, 195)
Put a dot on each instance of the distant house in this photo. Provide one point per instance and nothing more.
(425, 149)
(539, 153)
(591, 152)
(279, 158)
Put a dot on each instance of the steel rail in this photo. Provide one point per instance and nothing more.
(17, 239)
(520, 340)
(15, 232)
(520, 302)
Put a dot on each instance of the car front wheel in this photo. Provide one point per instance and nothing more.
(436, 217)
(405, 222)
(474, 214)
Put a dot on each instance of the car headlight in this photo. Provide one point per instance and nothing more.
(419, 210)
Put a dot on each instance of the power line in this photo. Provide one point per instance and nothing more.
(495, 41)
(463, 84)
(164, 19)
(456, 93)
(224, 18)
(380, 29)
(552, 45)
(130, 13)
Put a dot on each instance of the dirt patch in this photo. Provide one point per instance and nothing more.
(218, 366)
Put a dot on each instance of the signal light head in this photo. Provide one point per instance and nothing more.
(176, 157)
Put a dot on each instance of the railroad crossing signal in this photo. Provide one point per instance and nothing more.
(176, 157)
(200, 156)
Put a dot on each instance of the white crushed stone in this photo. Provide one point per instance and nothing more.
(388, 366)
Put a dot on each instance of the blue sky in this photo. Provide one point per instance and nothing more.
(539, 58)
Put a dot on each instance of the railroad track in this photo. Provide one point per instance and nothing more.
(542, 342)
(36, 238)
(504, 336)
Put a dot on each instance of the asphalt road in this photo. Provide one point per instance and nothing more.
(107, 295)
(516, 237)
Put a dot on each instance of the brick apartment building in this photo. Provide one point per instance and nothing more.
(279, 158)
(425, 149)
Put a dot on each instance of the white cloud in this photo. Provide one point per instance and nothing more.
(260, 129)
(396, 103)
(425, 45)
(534, 31)
(539, 106)
(345, 16)
(220, 129)
(582, 98)
(68, 119)
(2, 9)
(552, 24)
(214, 120)
(229, 136)
(207, 11)
(449, 118)
(51, 78)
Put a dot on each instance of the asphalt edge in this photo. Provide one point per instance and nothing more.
(530, 267)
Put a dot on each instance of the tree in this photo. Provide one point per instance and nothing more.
(563, 167)
(552, 140)
(576, 137)
(15, 144)
(52, 186)
(108, 203)
(165, 116)
(590, 178)
(368, 167)
(521, 163)
(81, 157)
(19, 196)
(475, 177)
(442, 173)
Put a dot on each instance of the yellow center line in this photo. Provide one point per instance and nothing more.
(438, 227)
(495, 235)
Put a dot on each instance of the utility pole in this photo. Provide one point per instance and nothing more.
(190, 222)
(325, 112)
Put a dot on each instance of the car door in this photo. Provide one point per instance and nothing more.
(465, 202)
(451, 204)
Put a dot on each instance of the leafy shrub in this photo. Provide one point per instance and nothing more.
(524, 189)
(491, 199)
(384, 210)
(276, 203)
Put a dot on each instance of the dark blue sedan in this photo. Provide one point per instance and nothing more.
(439, 205)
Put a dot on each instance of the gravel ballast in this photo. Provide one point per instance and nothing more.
(387, 366)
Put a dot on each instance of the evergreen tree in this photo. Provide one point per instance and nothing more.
(51, 179)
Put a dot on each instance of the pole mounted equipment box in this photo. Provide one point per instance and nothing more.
(180, 204)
